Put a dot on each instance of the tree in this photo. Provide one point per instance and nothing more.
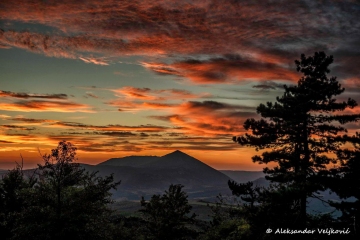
(343, 181)
(12, 199)
(301, 129)
(66, 202)
(167, 215)
(267, 207)
(227, 222)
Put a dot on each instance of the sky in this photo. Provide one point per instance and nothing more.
(121, 78)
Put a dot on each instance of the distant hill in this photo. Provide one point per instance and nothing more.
(243, 176)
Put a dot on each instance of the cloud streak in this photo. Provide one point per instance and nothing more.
(32, 95)
(45, 106)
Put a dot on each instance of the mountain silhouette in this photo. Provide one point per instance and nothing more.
(148, 175)
(130, 161)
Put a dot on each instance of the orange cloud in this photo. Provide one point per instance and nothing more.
(45, 106)
(97, 61)
(190, 117)
(210, 118)
(133, 93)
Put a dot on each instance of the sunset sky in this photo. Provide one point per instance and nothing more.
(120, 78)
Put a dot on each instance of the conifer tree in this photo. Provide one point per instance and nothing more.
(300, 131)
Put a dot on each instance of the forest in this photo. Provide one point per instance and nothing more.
(305, 133)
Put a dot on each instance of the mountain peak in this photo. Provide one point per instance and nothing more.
(177, 153)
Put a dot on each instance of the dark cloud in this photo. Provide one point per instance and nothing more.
(32, 95)
(269, 85)
(15, 127)
(162, 118)
(214, 105)
(106, 133)
(229, 68)
(91, 95)
(115, 128)
(32, 120)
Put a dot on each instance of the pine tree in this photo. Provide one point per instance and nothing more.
(301, 129)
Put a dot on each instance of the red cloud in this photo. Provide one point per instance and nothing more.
(258, 31)
(224, 70)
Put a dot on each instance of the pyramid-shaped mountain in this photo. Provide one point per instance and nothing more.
(148, 175)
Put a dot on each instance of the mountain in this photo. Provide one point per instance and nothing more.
(130, 161)
(148, 175)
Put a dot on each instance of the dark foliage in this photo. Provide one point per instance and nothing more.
(301, 129)
(167, 215)
(64, 203)
(344, 180)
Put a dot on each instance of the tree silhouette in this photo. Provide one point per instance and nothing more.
(167, 215)
(343, 181)
(301, 129)
(12, 199)
(65, 202)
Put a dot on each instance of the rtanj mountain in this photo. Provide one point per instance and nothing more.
(148, 175)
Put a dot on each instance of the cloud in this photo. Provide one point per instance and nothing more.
(192, 117)
(134, 99)
(15, 127)
(202, 42)
(4, 117)
(2, 46)
(270, 33)
(45, 106)
(133, 93)
(207, 117)
(110, 127)
(269, 85)
(32, 120)
(91, 95)
(97, 61)
(227, 69)
(32, 95)
(126, 106)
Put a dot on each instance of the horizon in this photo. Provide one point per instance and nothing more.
(146, 78)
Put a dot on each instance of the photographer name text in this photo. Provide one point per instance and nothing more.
(327, 231)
